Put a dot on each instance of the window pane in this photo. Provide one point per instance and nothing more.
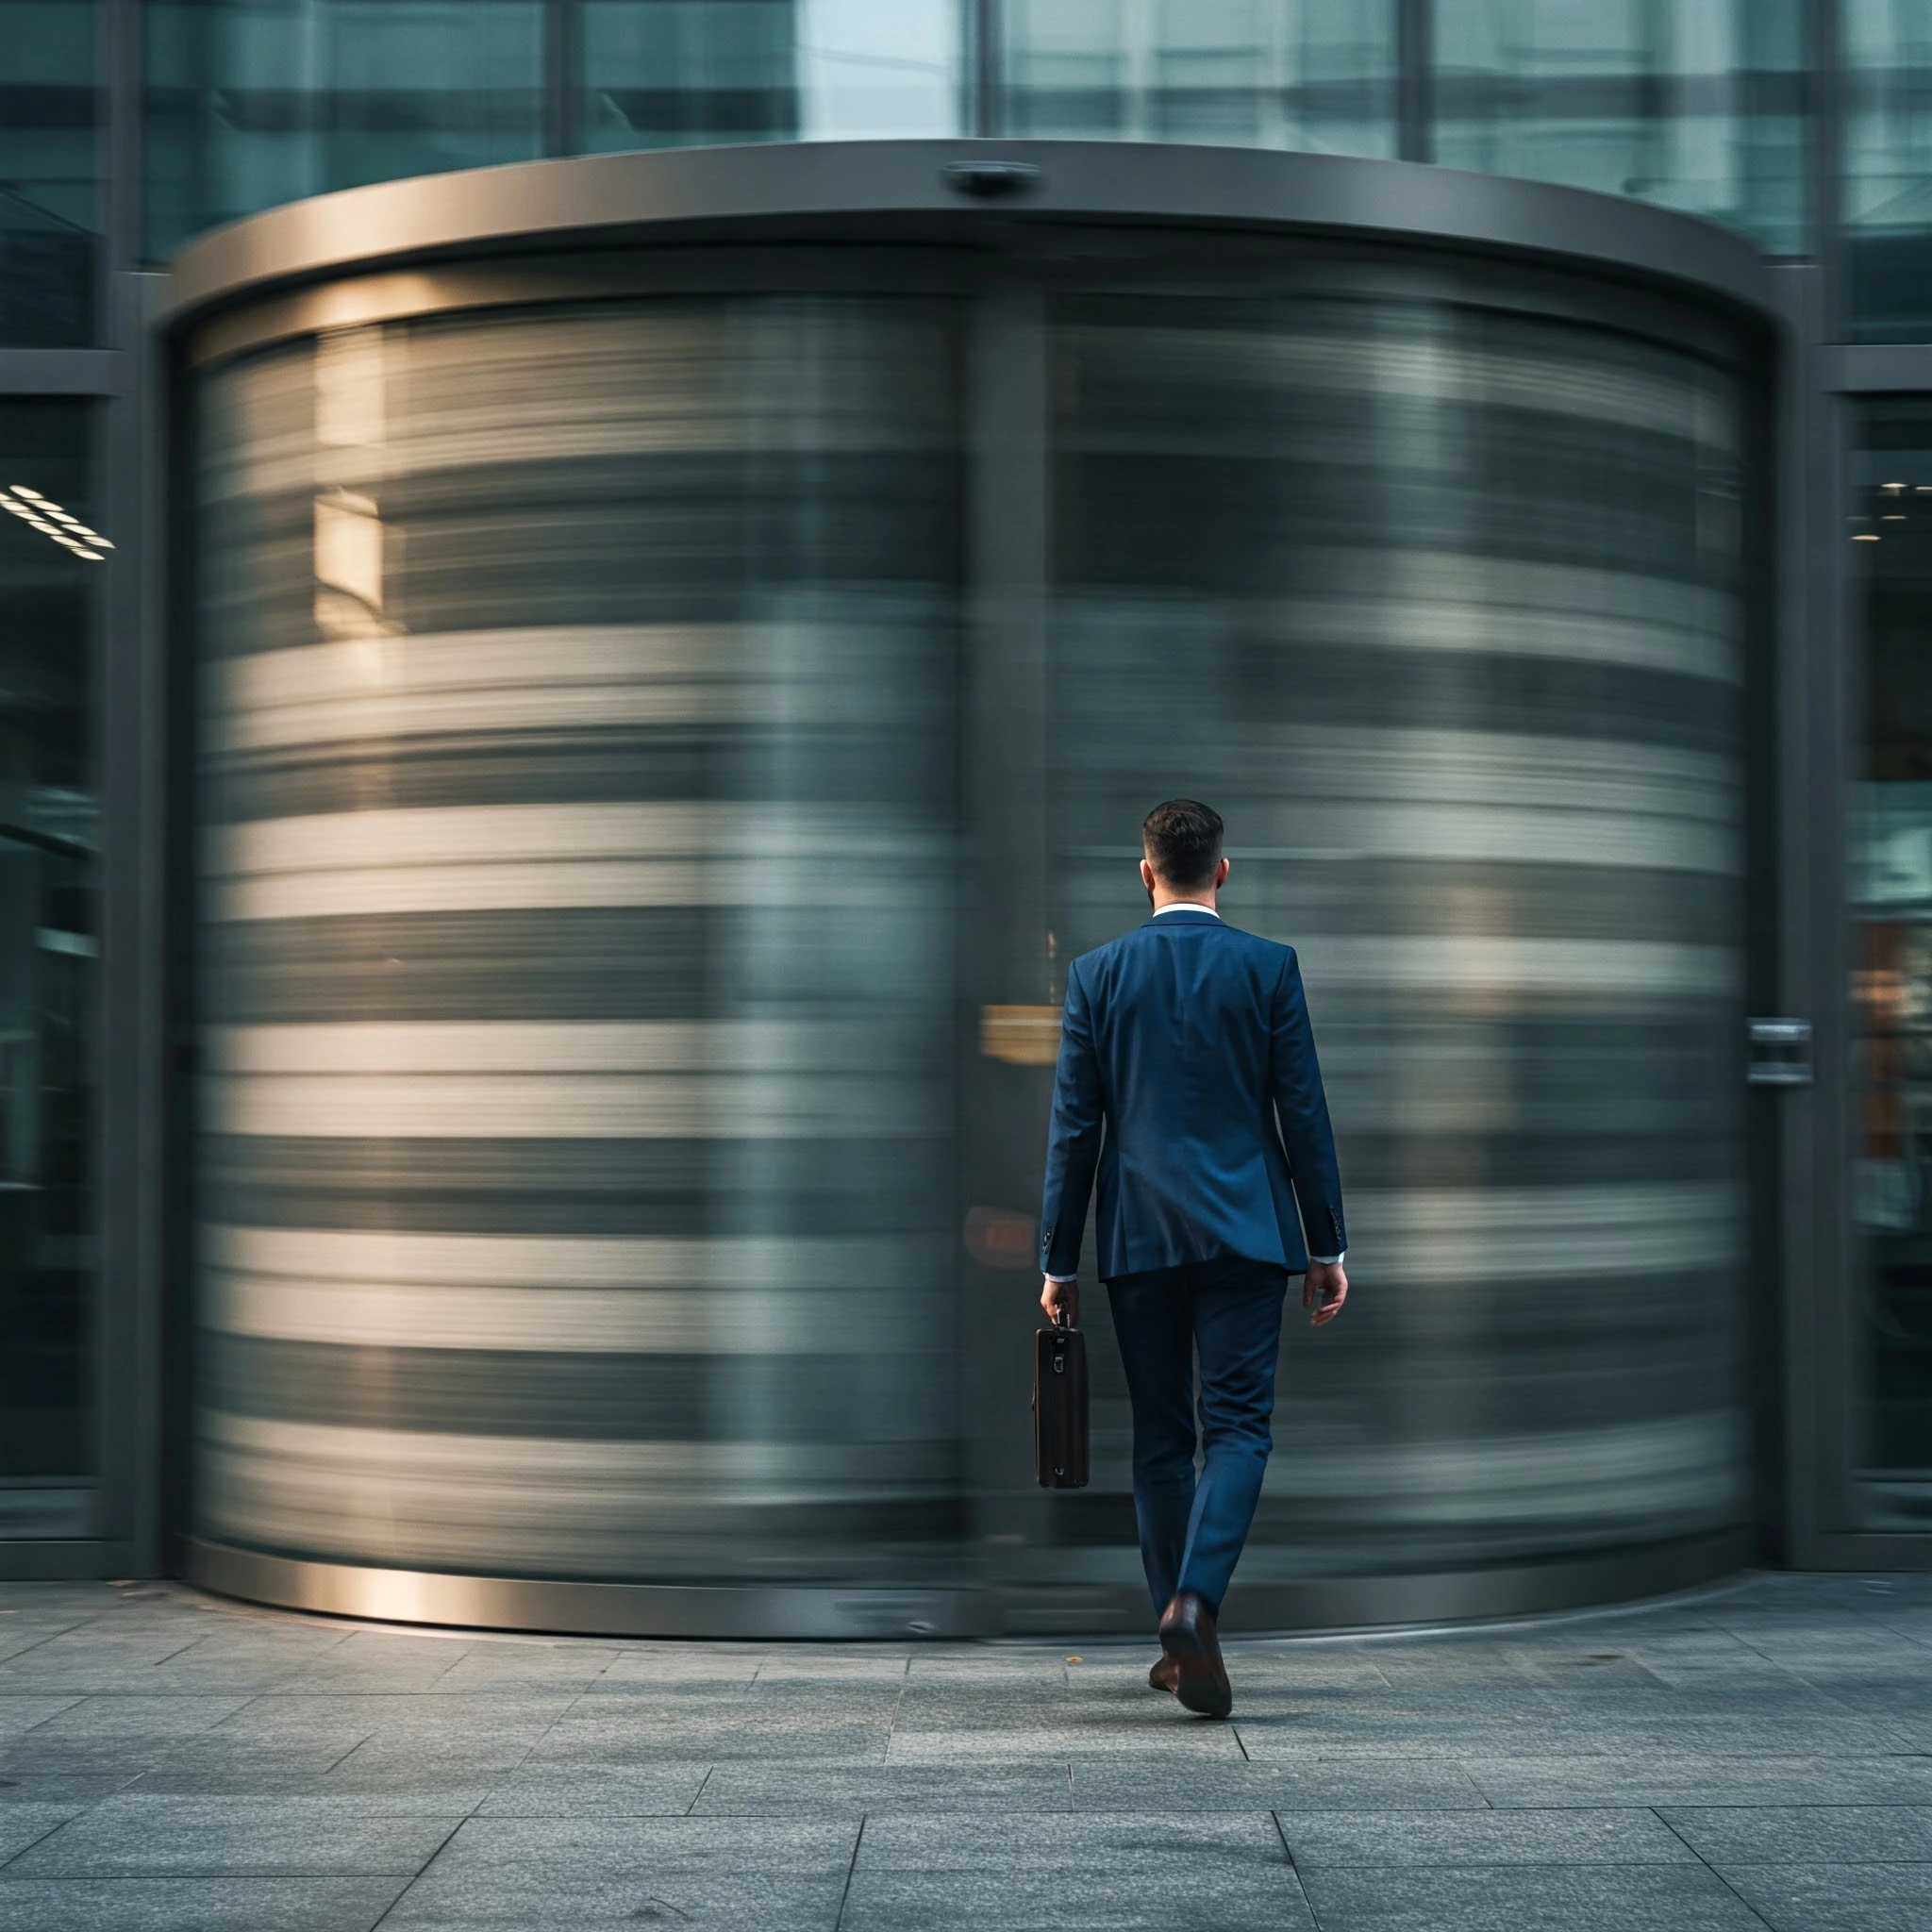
(48, 581)
(1697, 104)
(1887, 168)
(701, 73)
(1891, 904)
(255, 102)
(1314, 74)
(50, 195)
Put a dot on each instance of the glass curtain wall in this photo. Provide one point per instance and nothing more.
(51, 563)
(251, 103)
(1700, 105)
(579, 792)
(1311, 75)
(1887, 168)
(1891, 874)
(1440, 609)
(51, 154)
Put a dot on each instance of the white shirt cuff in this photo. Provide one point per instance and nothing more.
(1331, 1260)
(1063, 1279)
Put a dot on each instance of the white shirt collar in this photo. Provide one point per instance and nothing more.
(1188, 906)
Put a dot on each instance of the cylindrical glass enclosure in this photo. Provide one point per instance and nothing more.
(657, 751)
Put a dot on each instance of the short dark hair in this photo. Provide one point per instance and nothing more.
(1183, 842)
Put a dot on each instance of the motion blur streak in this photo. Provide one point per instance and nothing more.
(605, 1115)
(578, 780)
(1448, 628)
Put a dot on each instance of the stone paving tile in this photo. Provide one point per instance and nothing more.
(558, 1875)
(1806, 1834)
(1514, 1898)
(1150, 1783)
(1837, 1898)
(919, 1875)
(19, 1715)
(196, 1904)
(1634, 1836)
(154, 1836)
(497, 1668)
(22, 1825)
(1731, 1780)
(666, 1790)
(854, 1791)
(1181, 1740)
(117, 1717)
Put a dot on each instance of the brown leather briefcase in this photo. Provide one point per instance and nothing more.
(1060, 1408)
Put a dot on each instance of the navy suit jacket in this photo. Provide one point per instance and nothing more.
(1188, 1082)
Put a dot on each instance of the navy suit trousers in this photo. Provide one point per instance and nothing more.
(1228, 1312)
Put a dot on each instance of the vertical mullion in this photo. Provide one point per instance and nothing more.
(1825, 184)
(1007, 502)
(121, 148)
(1415, 54)
(983, 118)
(560, 44)
(124, 1387)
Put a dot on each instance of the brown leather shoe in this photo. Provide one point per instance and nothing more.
(1165, 1675)
(1188, 1639)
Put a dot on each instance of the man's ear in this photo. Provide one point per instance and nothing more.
(1221, 872)
(1146, 874)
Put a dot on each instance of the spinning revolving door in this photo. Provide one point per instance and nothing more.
(663, 726)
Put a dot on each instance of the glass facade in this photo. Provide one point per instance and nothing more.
(1887, 169)
(49, 587)
(251, 103)
(51, 156)
(1317, 75)
(579, 782)
(1701, 106)
(1891, 905)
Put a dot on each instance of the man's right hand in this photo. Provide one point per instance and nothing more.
(1324, 1287)
(1059, 1297)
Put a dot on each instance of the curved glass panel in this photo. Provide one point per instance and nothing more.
(578, 790)
(1440, 608)
(1699, 104)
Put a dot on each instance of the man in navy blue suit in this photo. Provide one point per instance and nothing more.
(1188, 1082)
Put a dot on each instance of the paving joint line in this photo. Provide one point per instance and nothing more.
(431, 1860)
(1658, 1815)
(691, 1809)
(846, 1896)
